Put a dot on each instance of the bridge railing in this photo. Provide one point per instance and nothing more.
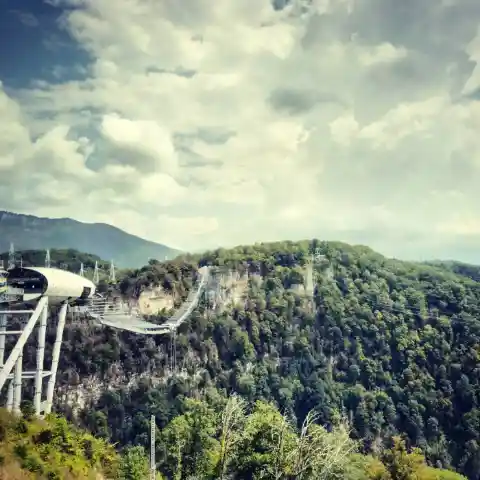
(117, 314)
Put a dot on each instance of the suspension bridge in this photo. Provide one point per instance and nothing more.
(118, 315)
(35, 296)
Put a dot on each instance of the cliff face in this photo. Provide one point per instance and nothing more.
(227, 289)
(153, 300)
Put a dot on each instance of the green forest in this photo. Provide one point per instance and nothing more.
(220, 440)
(382, 367)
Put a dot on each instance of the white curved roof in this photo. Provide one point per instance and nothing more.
(54, 275)
(62, 282)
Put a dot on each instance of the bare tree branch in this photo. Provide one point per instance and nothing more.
(233, 416)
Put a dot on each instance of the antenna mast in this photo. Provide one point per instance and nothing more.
(153, 465)
(11, 257)
(48, 262)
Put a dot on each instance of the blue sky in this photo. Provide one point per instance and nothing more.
(33, 45)
(202, 123)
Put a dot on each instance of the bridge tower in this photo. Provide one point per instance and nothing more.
(112, 277)
(310, 277)
(96, 274)
(11, 257)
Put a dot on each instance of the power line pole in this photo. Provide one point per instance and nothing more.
(153, 465)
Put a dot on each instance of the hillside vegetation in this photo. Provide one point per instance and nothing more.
(238, 442)
(392, 347)
(28, 232)
(221, 440)
(52, 449)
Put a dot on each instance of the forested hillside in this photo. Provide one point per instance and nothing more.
(391, 346)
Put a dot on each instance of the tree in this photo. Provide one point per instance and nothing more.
(233, 418)
(404, 465)
(190, 442)
(320, 454)
(134, 464)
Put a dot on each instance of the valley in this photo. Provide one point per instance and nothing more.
(389, 349)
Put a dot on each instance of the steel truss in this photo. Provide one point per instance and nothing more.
(15, 359)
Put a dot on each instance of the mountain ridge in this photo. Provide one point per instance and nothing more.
(29, 232)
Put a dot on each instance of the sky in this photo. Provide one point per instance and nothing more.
(200, 124)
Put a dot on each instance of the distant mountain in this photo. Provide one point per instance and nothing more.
(28, 232)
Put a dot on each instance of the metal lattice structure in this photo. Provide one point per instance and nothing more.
(12, 368)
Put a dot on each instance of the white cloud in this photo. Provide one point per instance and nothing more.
(201, 124)
(473, 51)
(142, 136)
(344, 129)
(407, 119)
(382, 53)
